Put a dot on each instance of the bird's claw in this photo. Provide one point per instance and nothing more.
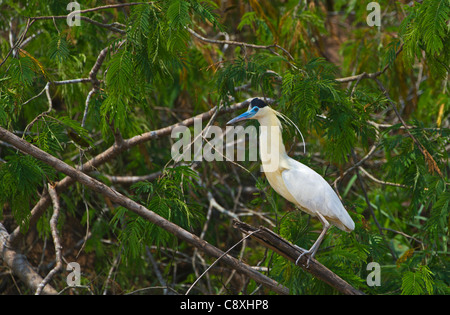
(304, 252)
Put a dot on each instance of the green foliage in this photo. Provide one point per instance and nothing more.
(178, 13)
(309, 93)
(119, 73)
(425, 29)
(20, 176)
(22, 71)
(417, 282)
(58, 49)
(308, 87)
(252, 70)
(54, 134)
(166, 197)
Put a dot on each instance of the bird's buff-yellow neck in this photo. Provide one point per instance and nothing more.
(271, 148)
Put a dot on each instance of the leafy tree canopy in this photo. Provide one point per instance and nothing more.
(371, 101)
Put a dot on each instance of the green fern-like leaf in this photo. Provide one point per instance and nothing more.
(75, 132)
(306, 92)
(51, 136)
(434, 17)
(425, 29)
(204, 9)
(58, 48)
(438, 220)
(120, 72)
(19, 178)
(253, 70)
(178, 13)
(114, 110)
(140, 21)
(418, 282)
(22, 70)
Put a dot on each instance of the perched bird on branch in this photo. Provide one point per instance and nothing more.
(293, 180)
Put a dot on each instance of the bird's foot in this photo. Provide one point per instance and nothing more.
(305, 252)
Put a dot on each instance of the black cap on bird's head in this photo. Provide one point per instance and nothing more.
(256, 102)
(255, 105)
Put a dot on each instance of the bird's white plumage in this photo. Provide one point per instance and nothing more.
(313, 194)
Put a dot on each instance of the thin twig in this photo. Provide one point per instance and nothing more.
(86, 107)
(36, 96)
(217, 260)
(241, 44)
(50, 107)
(110, 6)
(19, 41)
(111, 270)
(56, 239)
(376, 180)
(365, 75)
(72, 81)
(369, 205)
(157, 272)
(357, 164)
(432, 165)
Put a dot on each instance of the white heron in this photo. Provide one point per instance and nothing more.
(293, 180)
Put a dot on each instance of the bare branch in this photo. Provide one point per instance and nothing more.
(365, 75)
(110, 6)
(376, 180)
(129, 180)
(81, 80)
(241, 44)
(50, 107)
(56, 240)
(19, 41)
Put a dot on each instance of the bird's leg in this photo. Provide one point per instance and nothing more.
(312, 251)
(300, 248)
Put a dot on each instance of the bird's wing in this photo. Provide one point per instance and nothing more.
(314, 194)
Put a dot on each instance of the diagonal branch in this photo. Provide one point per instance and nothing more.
(432, 165)
(269, 239)
(140, 210)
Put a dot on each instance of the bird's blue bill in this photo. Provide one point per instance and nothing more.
(247, 115)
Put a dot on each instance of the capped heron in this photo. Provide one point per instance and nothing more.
(293, 180)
